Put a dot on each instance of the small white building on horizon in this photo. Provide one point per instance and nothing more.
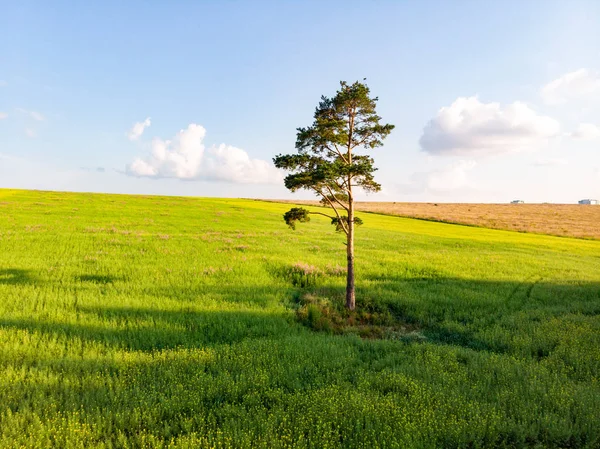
(588, 201)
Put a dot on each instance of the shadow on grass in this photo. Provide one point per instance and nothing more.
(472, 313)
(146, 329)
(16, 276)
(97, 278)
(176, 392)
(482, 315)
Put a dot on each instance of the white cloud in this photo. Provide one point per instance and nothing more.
(138, 129)
(451, 178)
(3, 83)
(551, 162)
(570, 86)
(30, 132)
(586, 131)
(32, 114)
(3, 115)
(185, 157)
(471, 128)
(228, 163)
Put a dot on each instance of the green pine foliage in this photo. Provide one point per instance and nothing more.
(166, 322)
(328, 161)
(329, 164)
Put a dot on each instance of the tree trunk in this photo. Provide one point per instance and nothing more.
(350, 295)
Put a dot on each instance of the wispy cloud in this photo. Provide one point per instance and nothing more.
(138, 128)
(471, 128)
(94, 169)
(570, 86)
(451, 178)
(32, 114)
(3, 115)
(37, 116)
(3, 83)
(10, 157)
(30, 132)
(586, 131)
(184, 157)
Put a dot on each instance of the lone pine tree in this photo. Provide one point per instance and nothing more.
(327, 162)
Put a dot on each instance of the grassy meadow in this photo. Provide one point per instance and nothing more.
(151, 322)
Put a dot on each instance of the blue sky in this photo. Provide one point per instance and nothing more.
(492, 101)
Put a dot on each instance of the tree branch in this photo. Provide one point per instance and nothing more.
(337, 150)
(341, 186)
(320, 213)
(367, 137)
(336, 199)
(334, 209)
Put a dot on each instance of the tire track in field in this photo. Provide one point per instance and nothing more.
(528, 289)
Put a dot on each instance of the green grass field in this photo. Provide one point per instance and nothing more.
(132, 321)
